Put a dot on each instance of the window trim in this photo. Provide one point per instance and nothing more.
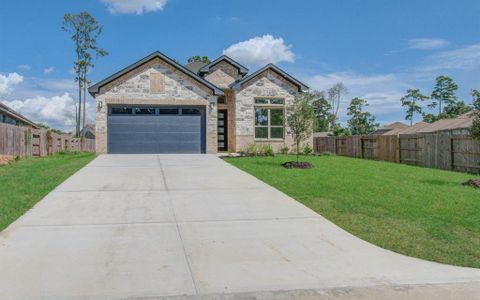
(269, 107)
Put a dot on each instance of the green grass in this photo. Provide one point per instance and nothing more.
(24, 183)
(419, 212)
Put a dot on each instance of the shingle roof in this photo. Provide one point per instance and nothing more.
(301, 86)
(95, 88)
(195, 66)
(414, 128)
(241, 69)
(461, 122)
(12, 113)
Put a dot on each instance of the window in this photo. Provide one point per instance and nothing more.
(269, 123)
(168, 111)
(121, 110)
(273, 101)
(190, 111)
(144, 111)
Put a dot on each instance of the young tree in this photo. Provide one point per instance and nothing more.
(360, 122)
(335, 94)
(323, 111)
(443, 93)
(475, 129)
(411, 101)
(301, 118)
(203, 59)
(84, 30)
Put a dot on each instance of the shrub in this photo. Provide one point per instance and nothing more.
(284, 149)
(307, 150)
(257, 150)
(267, 150)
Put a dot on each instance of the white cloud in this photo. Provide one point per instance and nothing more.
(57, 111)
(382, 91)
(137, 7)
(9, 81)
(24, 67)
(466, 58)
(261, 50)
(48, 70)
(426, 43)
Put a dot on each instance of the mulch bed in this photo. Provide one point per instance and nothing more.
(473, 183)
(297, 165)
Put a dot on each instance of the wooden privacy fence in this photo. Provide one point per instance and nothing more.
(23, 141)
(441, 151)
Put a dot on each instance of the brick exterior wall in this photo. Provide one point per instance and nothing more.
(170, 86)
(268, 84)
(222, 74)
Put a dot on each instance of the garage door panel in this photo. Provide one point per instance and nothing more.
(155, 134)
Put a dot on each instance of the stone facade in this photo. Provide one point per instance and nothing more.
(156, 82)
(223, 74)
(173, 88)
(265, 85)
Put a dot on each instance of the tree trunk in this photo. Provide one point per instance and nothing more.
(84, 98)
(79, 108)
(298, 146)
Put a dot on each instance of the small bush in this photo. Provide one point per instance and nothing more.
(257, 150)
(284, 149)
(267, 150)
(307, 150)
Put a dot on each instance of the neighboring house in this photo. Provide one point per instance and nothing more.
(10, 116)
(415, 128)
(390, 129)
(454, 126)
(88, 131)
(157, 105)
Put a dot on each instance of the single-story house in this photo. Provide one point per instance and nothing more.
(454, 126)
(390, 129)
(12, 117)
(157, 105)
(88, 131)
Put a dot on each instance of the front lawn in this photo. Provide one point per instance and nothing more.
(420, 212)
(24, 183)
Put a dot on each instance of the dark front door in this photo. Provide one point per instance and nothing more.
(222, 130)
(149, 129)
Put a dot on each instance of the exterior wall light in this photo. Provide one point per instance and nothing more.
(99, 105)
(212, 105)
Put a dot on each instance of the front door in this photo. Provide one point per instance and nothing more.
(222, 130)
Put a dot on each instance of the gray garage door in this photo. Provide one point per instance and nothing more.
(156, 129)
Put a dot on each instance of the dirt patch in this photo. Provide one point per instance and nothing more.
(473, 183)
(297, 165)
(6, 159)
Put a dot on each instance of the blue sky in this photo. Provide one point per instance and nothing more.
(377, 48)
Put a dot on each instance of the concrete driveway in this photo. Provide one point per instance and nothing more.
(179, 225)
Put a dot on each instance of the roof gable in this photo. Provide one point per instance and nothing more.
(301, 86)
(4, 109)
(94, 89)
(241, 69)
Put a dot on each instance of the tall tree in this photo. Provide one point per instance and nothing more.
(360, 122)
(84, 30)
(476, 99)
(335, 94)
(323, 111)
(411, 101)
(301, 118)
(203, 59)
(475, 129)
(444, 92)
